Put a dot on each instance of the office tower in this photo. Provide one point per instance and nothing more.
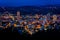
(18, 15)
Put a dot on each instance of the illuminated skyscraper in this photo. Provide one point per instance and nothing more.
(18, 15)
(54, 18)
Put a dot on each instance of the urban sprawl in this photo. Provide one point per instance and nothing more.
(29, 24)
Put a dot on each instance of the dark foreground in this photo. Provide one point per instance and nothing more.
(17, 36)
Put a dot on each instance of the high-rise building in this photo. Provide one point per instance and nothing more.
(18, 15)
(54, 18)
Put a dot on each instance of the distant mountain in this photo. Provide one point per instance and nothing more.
(53, 9)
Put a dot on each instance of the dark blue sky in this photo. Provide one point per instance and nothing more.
(27, 2)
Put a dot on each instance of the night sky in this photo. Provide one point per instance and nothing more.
(28, 2)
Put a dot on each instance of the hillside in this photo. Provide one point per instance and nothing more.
(53, 9)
